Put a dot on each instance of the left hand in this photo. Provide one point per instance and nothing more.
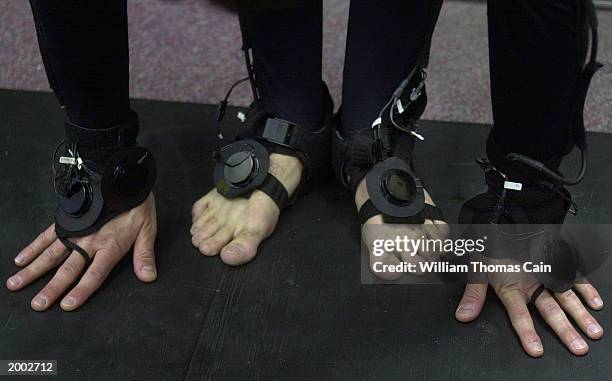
(136, 227)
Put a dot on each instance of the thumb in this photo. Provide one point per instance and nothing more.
(471, 303)
(144, 253)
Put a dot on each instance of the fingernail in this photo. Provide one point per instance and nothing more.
(231, 250)
(40, 301)
(597, 302)
(536, 346)
(593, 328)
(579, 344)
(69, 301)
(465, 309)
(14, 281)
(204, 248)
(19, 259)
(148, 269)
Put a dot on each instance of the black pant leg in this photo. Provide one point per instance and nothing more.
(384, 40)
(84, 45)
(537, 49)
(286, 39)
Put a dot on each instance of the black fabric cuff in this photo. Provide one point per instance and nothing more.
(121, 135)
(516, 171)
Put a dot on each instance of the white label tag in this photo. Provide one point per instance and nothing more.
(400, 106)
(418, 136)
(67, 160)
(241, 117)
(377, 122)
(513, 186)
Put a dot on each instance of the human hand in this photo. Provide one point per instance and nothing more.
(552, 306)
(137, 228)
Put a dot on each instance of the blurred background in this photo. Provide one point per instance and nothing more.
(189, 51)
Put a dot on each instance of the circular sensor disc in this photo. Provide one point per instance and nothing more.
(128, 178)
(239, 168)
(393, 188)
(399, 187)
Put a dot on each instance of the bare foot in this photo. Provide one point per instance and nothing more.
(235, 227)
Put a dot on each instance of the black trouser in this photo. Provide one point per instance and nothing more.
(536, 55)
(537, 49)
(84, 45)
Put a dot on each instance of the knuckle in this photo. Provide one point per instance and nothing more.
(472, 293)
(69, 268)
(143, 254)
(569, 333)
(551, 308)
(520, 314)
(96, 274)
(568, 296)
(110, 244)
(49, 256)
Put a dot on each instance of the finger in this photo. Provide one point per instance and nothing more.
(66, 275)
(50, 258)
(590, 295)
(144, 254)
(213, 245)
(103, 262)
(37, 246)
(471, 303)
(243, 248)
(436, 229)
(522, 323)
(570, 302)
(556, 319)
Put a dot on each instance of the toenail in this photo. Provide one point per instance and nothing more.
(232, 250)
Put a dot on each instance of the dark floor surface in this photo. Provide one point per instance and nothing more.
(298, 311)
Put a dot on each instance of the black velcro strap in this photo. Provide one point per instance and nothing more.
(536, 294)
(277, 192)
(368, 210)
(362, 151)
(284, 133)
(74, 247)
(433, 213)
(122, 135)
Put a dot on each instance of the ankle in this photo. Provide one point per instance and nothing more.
(287, 169)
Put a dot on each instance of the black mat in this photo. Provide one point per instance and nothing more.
(298, 311)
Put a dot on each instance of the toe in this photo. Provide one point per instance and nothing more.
(242, 249)
(201, 221)
(213, 245)
(199, 206)
(205, 232)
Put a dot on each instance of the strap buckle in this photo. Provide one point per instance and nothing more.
(283, 133)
